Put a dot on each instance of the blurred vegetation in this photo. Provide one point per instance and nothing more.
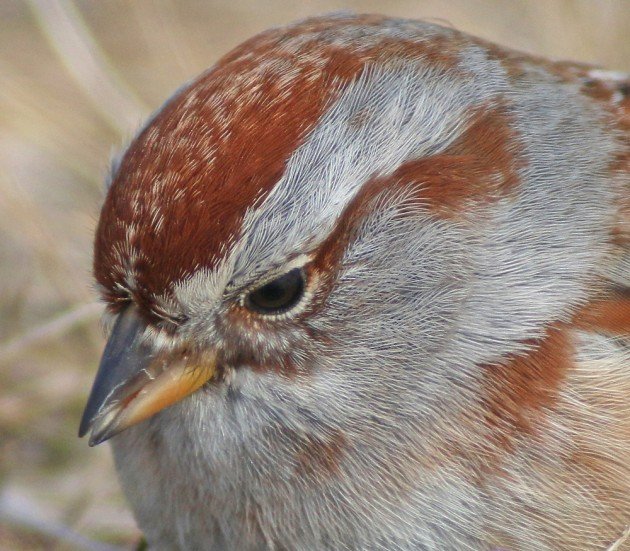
(76, 80)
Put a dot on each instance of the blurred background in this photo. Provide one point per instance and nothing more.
(76, 80)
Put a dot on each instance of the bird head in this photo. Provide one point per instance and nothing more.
(269, 222)
(352, 245)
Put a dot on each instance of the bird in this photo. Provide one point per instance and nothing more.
(367, 287)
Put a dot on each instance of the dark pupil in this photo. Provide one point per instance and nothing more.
(278, 295)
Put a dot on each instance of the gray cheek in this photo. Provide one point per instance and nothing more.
(399, 298)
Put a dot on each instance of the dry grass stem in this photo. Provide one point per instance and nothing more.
(624, 537)
(50, 329)
(87, 63)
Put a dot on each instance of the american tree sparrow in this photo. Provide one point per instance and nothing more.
(369, 287)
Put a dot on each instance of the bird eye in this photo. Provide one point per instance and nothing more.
(279, 295)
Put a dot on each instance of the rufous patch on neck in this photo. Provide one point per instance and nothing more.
(522, 389)
(610, 315)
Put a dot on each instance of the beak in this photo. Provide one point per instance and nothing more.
(134, 382)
